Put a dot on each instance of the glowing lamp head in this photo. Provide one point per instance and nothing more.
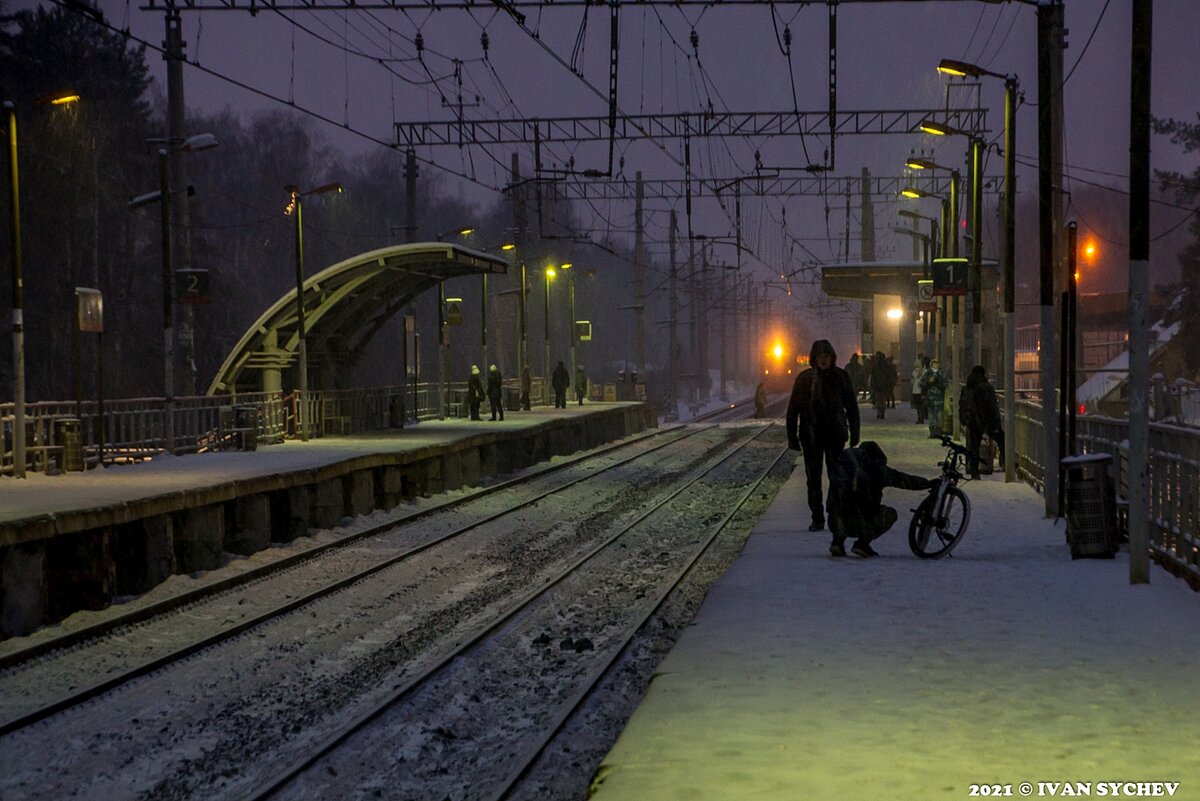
(550, 272)
(895, 314)
(778, 351)
(913, 193)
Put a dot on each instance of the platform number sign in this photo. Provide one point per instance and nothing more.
(583, 330)
(191, 286)
(950, 276)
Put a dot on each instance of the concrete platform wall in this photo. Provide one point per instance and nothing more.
(50, 568)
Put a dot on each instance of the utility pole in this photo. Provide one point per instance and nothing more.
(1010, 318)
(867, 242)
(181, 247)
(1050, 44)
(724, 325)
(639, 278)
(1139, 260)
(702, 324)
(672, 308)
(410, 196)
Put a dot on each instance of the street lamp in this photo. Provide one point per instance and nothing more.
(18, 297)
(549, 274)
(297, 206)
(192, 144)
(443, 334)
(1011, 83)
(974, 276)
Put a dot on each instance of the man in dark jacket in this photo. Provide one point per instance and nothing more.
(495, 392)
(474, 392)
(856, 509)
(821, 415)
(979, 412)
(560, 381)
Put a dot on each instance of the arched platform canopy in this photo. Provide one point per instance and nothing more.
(344, 307)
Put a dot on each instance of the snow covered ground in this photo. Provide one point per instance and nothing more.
(806, 677)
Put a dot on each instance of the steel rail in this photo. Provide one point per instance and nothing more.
(569, 707)
(272, 786)
(178, 654)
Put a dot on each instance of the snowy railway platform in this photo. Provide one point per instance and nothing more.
(80, 540)
(1006, 670)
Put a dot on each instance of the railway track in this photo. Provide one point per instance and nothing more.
(429, 631)
(130, 646)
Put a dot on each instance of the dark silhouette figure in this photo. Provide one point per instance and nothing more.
(822, 414)
(495, 392)
(979, 412)
(559, 382)
(880, 384)
(581, 383)
(526, 386)
(856, 508)
(474, 392)
(760, 401)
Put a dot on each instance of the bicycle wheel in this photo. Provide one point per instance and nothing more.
(932, 536)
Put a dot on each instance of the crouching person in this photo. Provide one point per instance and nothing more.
(855, 504)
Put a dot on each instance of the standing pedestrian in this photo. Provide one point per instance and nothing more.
(918, 373)
(495, 392)
(526, 386)
(474, 392)
(822, 414)
(581, 383)
(880, 384)
(559, 383)
(979, 412)
(893, 379)
(933, 390)
(854, 369)
(760, 401)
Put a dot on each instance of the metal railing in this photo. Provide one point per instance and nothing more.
(1173, 477)
(133, 429)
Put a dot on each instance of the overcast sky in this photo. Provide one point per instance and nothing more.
(886, 57)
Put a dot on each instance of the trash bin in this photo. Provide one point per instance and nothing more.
(396, 412)
(69, 433)
(245, 421)
(1091, 506)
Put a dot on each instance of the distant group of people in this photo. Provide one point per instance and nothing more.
(876, 378)
(560, 381)
(823, 416)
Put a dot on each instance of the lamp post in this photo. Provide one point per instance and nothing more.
(1011, 85)
(297, 206)
(974, 275)
(18, 293)
(443, 333)
(949, 250)
(549, 275)
(162, 196)
(565, 268)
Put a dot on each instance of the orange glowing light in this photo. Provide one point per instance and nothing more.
(777, 350)
(1089, 250)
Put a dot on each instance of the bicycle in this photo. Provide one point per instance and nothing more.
(940, 521)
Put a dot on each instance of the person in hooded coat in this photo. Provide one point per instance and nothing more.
(495, 391)
(855, 503)
(581, 383)
(560, 380)
(822, 414)
(474, 392)
(979, 412)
